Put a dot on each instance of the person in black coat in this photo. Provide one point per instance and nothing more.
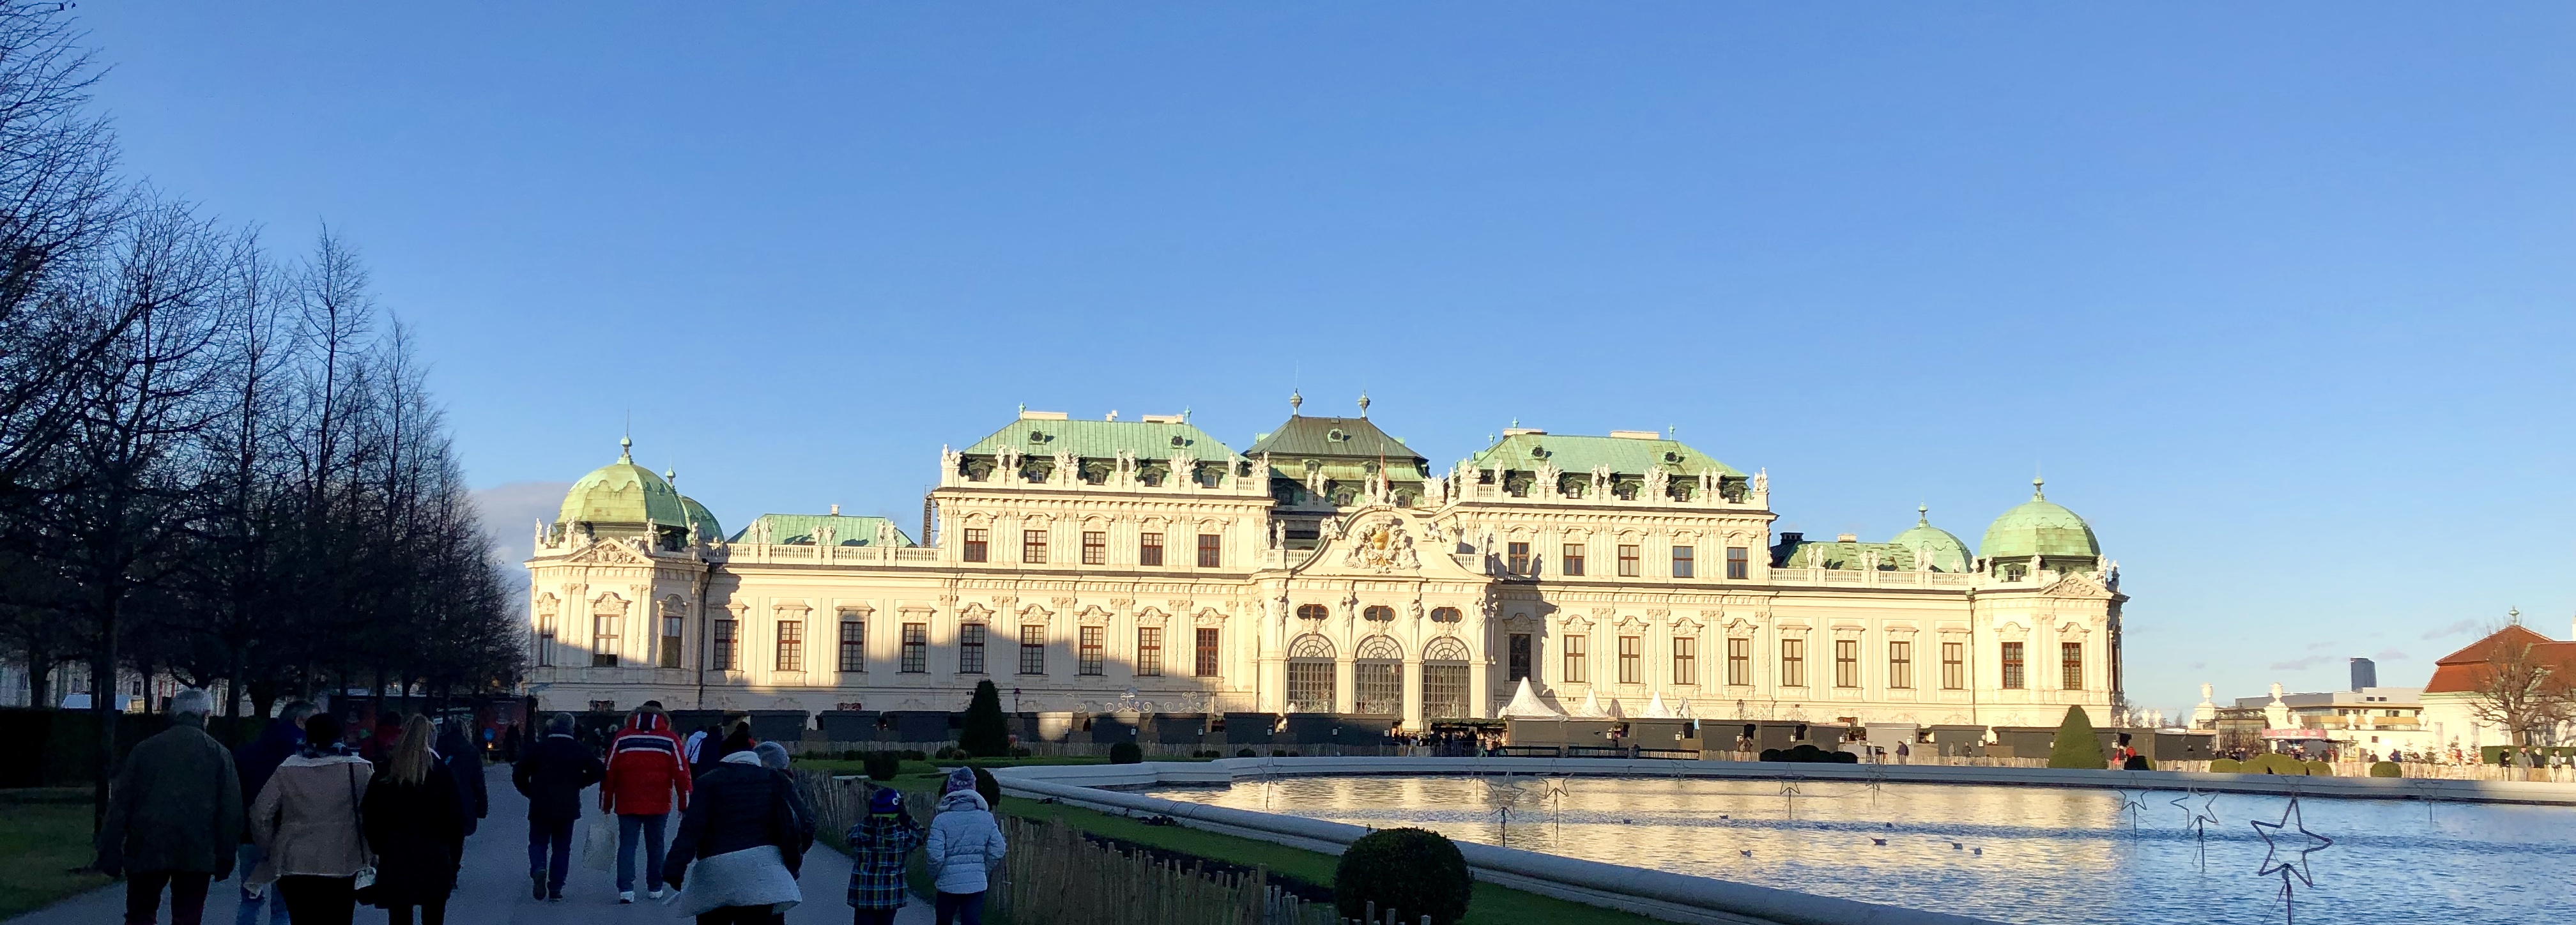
(416, 827)
(464, 764)
(552, 774)
(740, 804)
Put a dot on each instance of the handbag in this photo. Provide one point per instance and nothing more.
(366, 876)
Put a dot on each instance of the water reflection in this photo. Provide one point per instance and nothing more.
(2014, 854)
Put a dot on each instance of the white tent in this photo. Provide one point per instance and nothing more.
(1655, 708)
(1526, 705)
(1591, 708)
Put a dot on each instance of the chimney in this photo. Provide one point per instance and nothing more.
(1846, 537)
(2365, 673)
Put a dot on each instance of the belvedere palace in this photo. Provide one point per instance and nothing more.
(1097, 565)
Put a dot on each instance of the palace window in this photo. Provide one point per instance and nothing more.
(1444, 691)
(1312, 612)
(1627, 561)
(1088, 657)
(1310, 685)
(1682, 562)
(1149, 549)
(1685, 659)
(1632, 659)
(671, 630)
(1033, 649)
(722, 659)
(1739, 563)
(603, 641)
(1574, 664)
(791, 645)
(1444, 615)
(978, 544)
(1571, 562)
(1516, 558)
(1095, 547)
(1207, 652)
(1149, 651)
(1209, 551)
(2070, 665)
(1846, 663)
(854, 645)
(1739, 661)
(916, 648)
(1033, 546)
(970, 649)
(1378, 612)
(1900, 664)
(1520, 657)
(2012, 666)
(1793, 663)
(1379, 687)
(1954, 667)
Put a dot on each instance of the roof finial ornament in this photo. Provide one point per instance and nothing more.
(1516, 422)
(626, 449)
(2035, 482)
(1364, 403)
(2513, 616)
(1296, 400)
(1922, 515)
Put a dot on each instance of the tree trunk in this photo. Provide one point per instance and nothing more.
(40, 670)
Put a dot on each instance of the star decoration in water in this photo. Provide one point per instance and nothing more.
(2193, 819)
(2132, 802)
(2291, 821)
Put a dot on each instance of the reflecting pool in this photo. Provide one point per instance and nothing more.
(2012, 854)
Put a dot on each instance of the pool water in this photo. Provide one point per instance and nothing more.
(2011, 854)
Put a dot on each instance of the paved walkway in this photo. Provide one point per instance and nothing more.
(492, 887)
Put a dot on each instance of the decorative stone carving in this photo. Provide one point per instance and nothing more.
(1383, 547)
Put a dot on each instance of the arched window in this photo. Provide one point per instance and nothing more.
(1377, 676)
(1445, 615)
(1444, 678)
(1310, 674)
(1312, 611)
(1378, 612)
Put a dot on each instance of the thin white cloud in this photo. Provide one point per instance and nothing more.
(2454, 629)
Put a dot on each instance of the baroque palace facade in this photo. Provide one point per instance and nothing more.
(1097, 565)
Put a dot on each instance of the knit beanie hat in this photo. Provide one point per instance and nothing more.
(886, 802)
(961, 779)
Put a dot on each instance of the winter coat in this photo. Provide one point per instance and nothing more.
(259, 759)
(879, 844)
(174, 806)
(645, 769)
(552, 774)
(418, 834)
(740, 805)
(464, 764)
(306, 820)
(964, 843)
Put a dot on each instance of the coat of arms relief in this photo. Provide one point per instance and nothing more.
(1382, 547)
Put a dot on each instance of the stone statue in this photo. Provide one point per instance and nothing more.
(1761, 481)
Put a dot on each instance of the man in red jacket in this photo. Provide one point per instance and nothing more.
(645, 772)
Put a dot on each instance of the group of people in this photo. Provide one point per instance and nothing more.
(316, 829)
(313, 828)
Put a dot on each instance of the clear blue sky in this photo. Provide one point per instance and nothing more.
(2280, 297)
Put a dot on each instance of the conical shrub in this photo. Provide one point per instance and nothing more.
(2076, 747)
(985, 733)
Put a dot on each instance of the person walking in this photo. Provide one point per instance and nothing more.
(283, 737)
(305, 822)
(464, 763)
(645, 770)
(879, 847)
(964, 845)
(174, 816)
(416, 825)
(743, 834)
(551, 775)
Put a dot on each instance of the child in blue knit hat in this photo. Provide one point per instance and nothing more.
(878, 846)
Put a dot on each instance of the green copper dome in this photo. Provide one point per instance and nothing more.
(708, 528)
(2039, 527)
(1947, 553)
(624, 495)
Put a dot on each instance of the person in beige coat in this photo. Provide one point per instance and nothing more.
(305, 822)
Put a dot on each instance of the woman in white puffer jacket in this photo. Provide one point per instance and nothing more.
(964, 845)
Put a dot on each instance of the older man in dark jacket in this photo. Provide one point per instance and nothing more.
(552, 774)
(174, 816)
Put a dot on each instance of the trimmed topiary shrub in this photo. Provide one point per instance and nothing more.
(988, 788)
(2387, 769)
(985, 733)
(2137, 763)
(2275, 763)
(2226, 766)
(1773, 754)
(881, 766)
(1245, 753)
(2076, 746)
(1412, 872)
(1126, 753)
(2320, 769)
(1843, 757)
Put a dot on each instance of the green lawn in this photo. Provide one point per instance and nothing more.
(47, 836)
(1493, 905)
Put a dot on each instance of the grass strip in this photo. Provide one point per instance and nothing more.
(1492, 905)
(47, 836)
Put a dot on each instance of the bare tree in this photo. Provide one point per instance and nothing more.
(2521, 690)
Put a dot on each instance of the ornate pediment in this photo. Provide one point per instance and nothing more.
(609, 552)
(1381, 545)
(2076, 585)
(1209, 617)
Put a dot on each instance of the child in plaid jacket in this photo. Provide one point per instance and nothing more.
(878, 846)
